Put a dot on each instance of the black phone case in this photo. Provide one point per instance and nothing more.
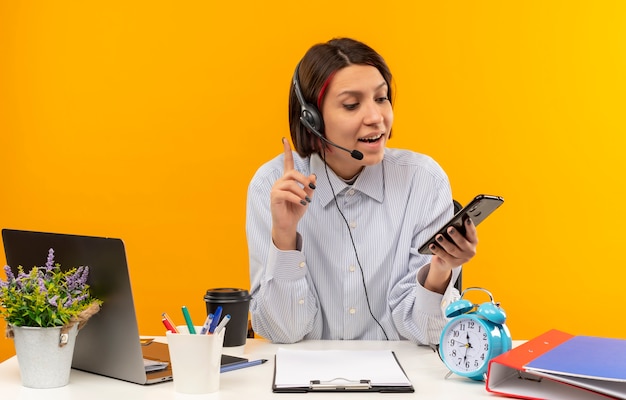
(478, 209)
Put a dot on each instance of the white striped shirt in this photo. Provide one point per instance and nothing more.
(317, 292)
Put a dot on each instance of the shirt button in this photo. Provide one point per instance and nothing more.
(302, 264)
(352, 224)
(353, 310)
(301, 301)
(351, 192)
(352, 268)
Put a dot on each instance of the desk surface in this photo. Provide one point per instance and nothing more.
(422, 365)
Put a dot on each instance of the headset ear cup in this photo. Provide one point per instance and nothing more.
(309, 114)
(313, 117)
(492, 313)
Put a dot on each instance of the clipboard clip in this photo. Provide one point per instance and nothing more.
(340, 384)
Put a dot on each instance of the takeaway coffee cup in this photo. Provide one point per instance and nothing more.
(235, 302)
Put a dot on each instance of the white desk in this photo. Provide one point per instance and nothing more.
(421, 364)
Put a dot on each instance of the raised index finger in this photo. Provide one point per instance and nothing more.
(288, 155)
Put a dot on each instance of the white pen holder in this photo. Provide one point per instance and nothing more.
(196, 360)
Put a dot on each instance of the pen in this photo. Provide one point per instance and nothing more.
(222, 324)
(233, 367)
(207, 324)
(188, 320)
(172, 324)
(216, 319)
(169, 326)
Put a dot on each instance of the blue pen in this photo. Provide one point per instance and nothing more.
(216, 319)
(207, 324)
(233, 367)
(222, 324)
(188, 320)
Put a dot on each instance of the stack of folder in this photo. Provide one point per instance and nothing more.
(559, 365)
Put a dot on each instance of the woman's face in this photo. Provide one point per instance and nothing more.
(358, 116)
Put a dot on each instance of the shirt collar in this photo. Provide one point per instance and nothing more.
(371, 182)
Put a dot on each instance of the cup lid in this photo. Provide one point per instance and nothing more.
(227, 294)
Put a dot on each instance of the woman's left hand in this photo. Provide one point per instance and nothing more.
(448, 255)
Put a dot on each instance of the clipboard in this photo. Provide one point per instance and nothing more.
(302, 371)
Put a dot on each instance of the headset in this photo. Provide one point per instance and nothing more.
(312, 119)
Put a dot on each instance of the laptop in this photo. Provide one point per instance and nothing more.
(109, 344)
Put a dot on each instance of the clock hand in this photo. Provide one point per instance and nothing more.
(467, 346)
(469, 343)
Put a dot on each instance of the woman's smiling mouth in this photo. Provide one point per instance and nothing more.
(372, 139)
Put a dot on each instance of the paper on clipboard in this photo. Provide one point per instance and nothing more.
(298, 368)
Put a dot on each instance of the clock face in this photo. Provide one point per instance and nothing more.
(466, 346)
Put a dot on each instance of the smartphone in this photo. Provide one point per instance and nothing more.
(477, 209)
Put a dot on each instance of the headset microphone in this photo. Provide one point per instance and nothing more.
(312, 119)
(354, 153)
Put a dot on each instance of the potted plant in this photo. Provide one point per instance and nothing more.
(44, 308)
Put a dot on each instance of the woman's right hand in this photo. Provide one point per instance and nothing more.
(289, 199)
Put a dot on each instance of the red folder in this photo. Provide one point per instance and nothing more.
(558, 365)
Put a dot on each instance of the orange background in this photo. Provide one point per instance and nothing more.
(145, 120)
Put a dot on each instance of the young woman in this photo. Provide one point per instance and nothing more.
(333, 230)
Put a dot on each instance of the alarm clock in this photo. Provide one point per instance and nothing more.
(474, 335)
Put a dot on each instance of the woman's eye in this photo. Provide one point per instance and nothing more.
(382, 99)
(351, 106)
